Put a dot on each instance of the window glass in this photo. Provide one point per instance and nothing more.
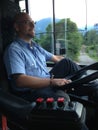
(67, 27)
(41, 12)
(22, 5)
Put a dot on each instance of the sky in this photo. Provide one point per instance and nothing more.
(81, 12)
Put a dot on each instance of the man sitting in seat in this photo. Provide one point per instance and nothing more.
(25, 62)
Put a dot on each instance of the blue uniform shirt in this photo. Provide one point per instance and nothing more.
(21, 58)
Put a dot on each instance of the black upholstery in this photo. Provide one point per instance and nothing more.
(8, 9)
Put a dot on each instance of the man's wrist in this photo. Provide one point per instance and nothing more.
(51, 80)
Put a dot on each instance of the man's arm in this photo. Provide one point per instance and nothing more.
(56, 58)
(23, 80)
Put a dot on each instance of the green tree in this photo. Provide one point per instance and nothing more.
(74, 38)
(91, 37)
(91, 42)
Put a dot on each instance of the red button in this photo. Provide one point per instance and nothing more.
(50, 103)
(60, 101)
(50, 100)
(39, 100)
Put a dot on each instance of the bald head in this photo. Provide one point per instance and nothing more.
(18, 17)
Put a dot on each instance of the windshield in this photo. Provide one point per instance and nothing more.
(67, 27)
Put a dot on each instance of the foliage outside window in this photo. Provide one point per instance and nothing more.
(70, 39)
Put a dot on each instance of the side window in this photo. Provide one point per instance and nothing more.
(67, 27)
(22, 4)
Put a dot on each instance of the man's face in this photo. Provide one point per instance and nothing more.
(25, 27)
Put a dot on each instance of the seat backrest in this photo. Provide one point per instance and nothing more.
(4, 84)
(8, 9)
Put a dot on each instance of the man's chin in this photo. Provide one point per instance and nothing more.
(30, 36)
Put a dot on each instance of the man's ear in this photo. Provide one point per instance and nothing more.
(16, 27)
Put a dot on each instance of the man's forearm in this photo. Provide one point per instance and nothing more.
(57, 58)
(32, 82)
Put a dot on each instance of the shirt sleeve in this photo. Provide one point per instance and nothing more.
(14, 61)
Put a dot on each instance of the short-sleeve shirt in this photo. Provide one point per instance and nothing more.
(22, 58)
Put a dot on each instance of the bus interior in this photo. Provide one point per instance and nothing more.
(58, 32)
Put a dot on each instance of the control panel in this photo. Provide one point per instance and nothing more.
(49, 111)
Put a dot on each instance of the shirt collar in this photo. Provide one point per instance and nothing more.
(25, 44)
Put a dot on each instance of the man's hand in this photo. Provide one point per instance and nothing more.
(60, 82)
(57, 58)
